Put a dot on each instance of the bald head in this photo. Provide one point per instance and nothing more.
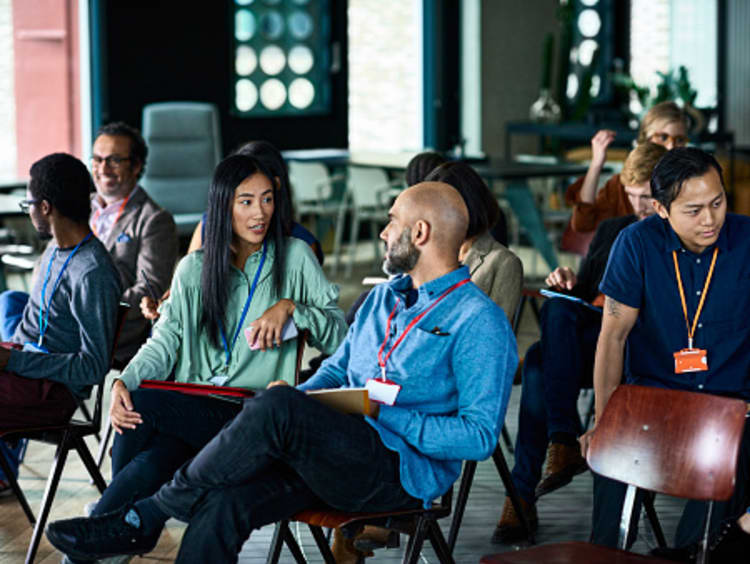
(442, 207)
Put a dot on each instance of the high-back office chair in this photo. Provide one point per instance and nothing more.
(184, 147)
(678, 443)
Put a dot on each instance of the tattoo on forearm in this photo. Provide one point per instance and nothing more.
(613, 306)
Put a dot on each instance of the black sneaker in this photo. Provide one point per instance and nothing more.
(102, 536)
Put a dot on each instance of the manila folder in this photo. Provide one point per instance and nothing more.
(346, 400)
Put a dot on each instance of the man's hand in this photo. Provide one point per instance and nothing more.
(149, 306)
(562, 277)
(121, 412)
(266, 330)
(585, 439)
(599, 144)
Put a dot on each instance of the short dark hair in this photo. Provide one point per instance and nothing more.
(65, 183)
(484, 211)
(421, 165)
(138, 148)
(677, 166)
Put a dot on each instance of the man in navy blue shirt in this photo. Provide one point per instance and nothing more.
(677, 290)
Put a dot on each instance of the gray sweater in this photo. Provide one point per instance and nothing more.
(81, 320)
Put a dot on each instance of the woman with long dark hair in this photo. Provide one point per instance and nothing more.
(249, 276)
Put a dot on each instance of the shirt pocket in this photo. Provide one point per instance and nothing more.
(424, 356)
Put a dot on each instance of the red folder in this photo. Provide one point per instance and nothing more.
(197, 389)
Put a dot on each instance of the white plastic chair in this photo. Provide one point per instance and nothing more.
(370, 192)
(313, 191)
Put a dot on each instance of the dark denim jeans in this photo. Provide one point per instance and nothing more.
(283, 453)
(609, 495)
(175, 427)
(554, 371)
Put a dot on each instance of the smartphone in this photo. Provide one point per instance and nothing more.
(288, 331)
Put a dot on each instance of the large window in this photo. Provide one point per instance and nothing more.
(385, 75)
(667, 34)
(281, 57)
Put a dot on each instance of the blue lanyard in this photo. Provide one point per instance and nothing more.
(44, 313)
(227, 349)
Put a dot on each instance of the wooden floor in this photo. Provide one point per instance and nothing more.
(564, 515)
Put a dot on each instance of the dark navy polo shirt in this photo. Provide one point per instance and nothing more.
(640, 273)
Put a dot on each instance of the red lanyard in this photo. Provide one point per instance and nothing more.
(119, 213)
(382, 360)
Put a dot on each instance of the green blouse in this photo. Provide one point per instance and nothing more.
(179, 341)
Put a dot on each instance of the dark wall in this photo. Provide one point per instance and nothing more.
(157, 51)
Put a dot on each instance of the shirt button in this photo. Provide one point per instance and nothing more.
(700, 325)
(698, 261)
(698, 292)
(700, 386)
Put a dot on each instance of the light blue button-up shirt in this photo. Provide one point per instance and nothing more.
(455, 368)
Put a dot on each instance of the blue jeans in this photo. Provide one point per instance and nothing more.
(554, 371)
(175, 427)
(283, 453)
(609, 495)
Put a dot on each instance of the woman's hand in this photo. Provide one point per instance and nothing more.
(121, 412)
(149, 306)
(265, 331)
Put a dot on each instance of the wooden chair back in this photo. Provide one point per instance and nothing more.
(678, 443)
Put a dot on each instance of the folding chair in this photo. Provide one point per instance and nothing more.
(682, 444)
(419, 524)
(67, 437)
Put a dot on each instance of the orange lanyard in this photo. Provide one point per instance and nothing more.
(117, 217)
(691, 329)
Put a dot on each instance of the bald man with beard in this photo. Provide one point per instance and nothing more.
(436, 354)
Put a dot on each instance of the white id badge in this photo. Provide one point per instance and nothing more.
(381, 391)
(219, 380)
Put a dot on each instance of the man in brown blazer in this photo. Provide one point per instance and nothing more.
(140, 236)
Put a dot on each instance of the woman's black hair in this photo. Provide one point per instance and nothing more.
(421, 165)
(677, 166)
(229, 174)
(483, 208)
(271, 158)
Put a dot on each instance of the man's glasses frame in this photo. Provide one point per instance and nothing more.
(112, 161)
(26, 204)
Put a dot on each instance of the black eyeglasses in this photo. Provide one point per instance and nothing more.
(26, 204)
(112, 161)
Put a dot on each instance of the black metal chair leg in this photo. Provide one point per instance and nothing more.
(88, 461)
(5, 466)
(506, 439)
(49, 496)
(323, 547)
(277, 542)
(104, 444)
(470, 467)
(437, 539)
(292, 544)
(87, 416)
(414, 547)
(510, 490)
(653, 519)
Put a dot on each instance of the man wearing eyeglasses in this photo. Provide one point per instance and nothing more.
(140, 236)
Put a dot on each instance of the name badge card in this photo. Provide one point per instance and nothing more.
(690, 360)
(382, 391)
